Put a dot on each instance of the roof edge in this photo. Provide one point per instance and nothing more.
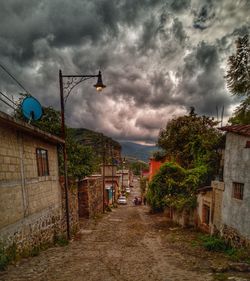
(28, 128)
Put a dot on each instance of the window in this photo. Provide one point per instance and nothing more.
(238, 189)
(42, 162)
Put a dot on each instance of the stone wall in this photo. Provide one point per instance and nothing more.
(234, 238)
(30, 209)
(73, 206)
(90, 194)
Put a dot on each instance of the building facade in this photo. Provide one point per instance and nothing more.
(30, 193)
(236, 196)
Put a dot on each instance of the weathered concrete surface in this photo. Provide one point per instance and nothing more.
(235, 212)
(126, 244)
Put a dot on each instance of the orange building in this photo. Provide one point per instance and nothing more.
(154, 166)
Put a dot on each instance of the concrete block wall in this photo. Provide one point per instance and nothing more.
(30, 206)
(235, 212)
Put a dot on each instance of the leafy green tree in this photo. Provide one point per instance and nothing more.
(137, 167)
(175, 186)
(238, 80)
(81, 160)
(192, 140)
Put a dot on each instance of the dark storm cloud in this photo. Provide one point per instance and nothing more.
(154, 62)
(179, 32)
(204, 16)
(180, 5)
(203, 80)
(225, 44)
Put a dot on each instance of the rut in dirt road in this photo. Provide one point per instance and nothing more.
(122, 245)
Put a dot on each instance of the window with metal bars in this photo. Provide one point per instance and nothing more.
(42, 162)
(238, 190)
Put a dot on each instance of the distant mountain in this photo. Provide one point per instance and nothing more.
(97, 141)
(135, 150)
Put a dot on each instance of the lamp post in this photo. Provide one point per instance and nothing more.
(66, 87)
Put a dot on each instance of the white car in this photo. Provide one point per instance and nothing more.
(128, 190)
(122, 200)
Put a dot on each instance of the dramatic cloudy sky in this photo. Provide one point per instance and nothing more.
(158, 58)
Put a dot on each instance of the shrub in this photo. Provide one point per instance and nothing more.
(61, 240)
(215, 244)
(7, 255)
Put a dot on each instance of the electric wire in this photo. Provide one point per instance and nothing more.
(4, 68)
(8, 104)
(8, 98)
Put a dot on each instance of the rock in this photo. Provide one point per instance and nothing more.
(234, 278)
(220, 269)
(240, 266)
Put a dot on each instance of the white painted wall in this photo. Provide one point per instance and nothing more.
(236, 213)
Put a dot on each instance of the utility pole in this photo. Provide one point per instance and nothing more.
(112, 162)
(103, 172)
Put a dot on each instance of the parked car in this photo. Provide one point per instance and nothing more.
(128, 190)
(122, 200)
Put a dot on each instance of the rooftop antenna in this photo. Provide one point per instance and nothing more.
(31, 109)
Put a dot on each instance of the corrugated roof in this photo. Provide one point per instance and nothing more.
(237, 129)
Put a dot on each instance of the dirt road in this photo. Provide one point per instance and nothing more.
(125, 244)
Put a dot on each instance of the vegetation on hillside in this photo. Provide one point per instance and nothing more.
(137, 167)
(83, 156)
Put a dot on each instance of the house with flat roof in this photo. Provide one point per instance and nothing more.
(30, 193)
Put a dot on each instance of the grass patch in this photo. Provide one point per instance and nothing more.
(220, 277)
(214, 243)
(61, 240)
(7, 255)
(218, 244)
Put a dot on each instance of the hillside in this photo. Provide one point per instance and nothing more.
(135, 150)
(98, 141)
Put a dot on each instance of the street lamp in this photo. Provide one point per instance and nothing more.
(71, 82)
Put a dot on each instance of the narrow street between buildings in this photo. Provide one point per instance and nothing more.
(128, 243)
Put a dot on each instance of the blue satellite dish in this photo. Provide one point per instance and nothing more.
(31, 108)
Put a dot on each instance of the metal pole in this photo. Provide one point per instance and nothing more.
(122, 176)
(64, 155)
(112, 160)
(103, 174)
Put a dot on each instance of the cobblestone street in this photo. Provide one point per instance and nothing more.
(125, 244)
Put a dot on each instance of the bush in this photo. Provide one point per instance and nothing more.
(7, 255)
(61, 240)
(174, 186)
(215, 244)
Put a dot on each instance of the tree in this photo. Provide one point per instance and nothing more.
(138, 166)
(81, 161)
(238, 80)
(175, 186)
(191, 140)
(191, 145)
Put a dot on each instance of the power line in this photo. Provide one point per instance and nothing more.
(8, 98)
(4, 68)
(8, 104)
